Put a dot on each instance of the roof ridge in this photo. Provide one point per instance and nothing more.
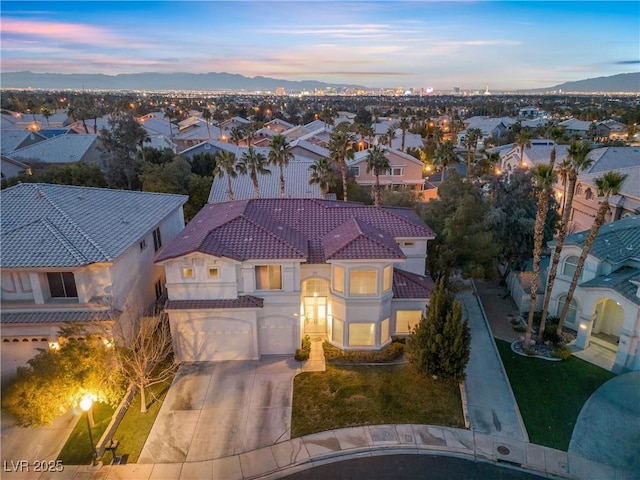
(55, 231)
(362, 234)
(273, 234)
(71, 222)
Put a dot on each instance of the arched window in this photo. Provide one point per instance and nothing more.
(570, 265)
(572, 313)
(588, 194)
(579, 190)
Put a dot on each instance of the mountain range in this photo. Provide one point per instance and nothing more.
(625, 82)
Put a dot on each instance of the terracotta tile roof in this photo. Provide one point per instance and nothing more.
(411, 285)
(357, 239)
(243, 301)
(292, 228)
(55, 317)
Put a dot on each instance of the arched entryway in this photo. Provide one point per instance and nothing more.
(315, 294)
(608, 317)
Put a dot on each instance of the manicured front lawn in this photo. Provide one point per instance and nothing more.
(369, 395)
(134, 428)
(550, 395)
(77, 450)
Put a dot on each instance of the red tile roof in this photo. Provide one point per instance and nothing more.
(243, 301)
(296, 228)
(411, 285)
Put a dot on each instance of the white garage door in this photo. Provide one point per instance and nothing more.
(215, 340)
(17, 351)
(277, 336)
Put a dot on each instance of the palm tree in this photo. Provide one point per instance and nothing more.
(169, 114)
(47, 111)
(226, 165)
(563, 169)
(236, 135)
(404, 125)
(444, 156)
(523, 141)
(249, 130)
(206, 116)
(489, 161)
(608, 185)
(341, 149)
(253, 163)
(378, 163)
(391, 134)
(280, 155)
(471, 142)
(327, 115)
(322, 174)
(555, 133)
(544, 177)
(578, 160)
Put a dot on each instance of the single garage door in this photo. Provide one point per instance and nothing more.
(277, 336)
(213, 340)
(17, 351)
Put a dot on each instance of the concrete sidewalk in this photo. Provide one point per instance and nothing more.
(492, 407)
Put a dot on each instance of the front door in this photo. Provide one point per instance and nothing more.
(315, 315)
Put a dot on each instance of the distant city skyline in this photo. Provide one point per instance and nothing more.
(505, 45)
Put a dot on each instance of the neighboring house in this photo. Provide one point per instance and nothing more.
(489, 127)
(77, 254)
(624, 160)
(14, 139)
(575, 127)
(539, 152)
(12, 168)
(411, 140)
(253, 277)
(277, 125)
(157, 125)
(296, 176)
(405, 171)
(605, 308)
(610, 130)
(69, 148)
(519, 285)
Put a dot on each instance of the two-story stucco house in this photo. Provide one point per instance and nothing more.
(605, 308)
(252, 277)
(77, 254)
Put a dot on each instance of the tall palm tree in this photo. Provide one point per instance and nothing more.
(378, 163)
(471, 142)
(322, 174)
(445, 155)
(608, 185)
(555, 133)
(249, 130)
(169, 114)
(578, 160)
(391, 134)
(544, 177)
(47, 111)
(253, 163)
(523, 141)
(280, 155)
(206, 116)
(404, 125)
(563, 169)
(236, 134)
(226, 166)
(341, 149)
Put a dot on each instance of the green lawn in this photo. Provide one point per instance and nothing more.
(77, 450)
(135, 426)
(369, 395)
(550, 394)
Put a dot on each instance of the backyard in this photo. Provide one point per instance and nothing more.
(368, 395)
(550, 395)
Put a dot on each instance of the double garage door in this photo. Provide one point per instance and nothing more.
(218, 339)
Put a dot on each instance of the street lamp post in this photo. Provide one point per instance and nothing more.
(85, 404)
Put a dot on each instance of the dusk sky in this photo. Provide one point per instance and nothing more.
(471, 44)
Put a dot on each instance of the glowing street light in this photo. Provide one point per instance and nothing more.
(85, 404)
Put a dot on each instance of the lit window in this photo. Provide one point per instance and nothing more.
(363, 282)
(338, 279)
(214, 272)
(269, 277)
(362, 334)
(188, 272)
(337, 331)
(387, 278)
(408, 244)
(406, 320)
(570, 265)
(384, 331)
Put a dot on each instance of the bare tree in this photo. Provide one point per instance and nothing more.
(145, 353)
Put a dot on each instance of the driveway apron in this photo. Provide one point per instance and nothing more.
(215, 410)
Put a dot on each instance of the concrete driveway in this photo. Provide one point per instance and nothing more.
(215, 410)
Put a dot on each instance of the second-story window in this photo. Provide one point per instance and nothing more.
(188, 272)
(363, 282)
(268, 277)
(62, 284)
(157, 239)
(214, 272)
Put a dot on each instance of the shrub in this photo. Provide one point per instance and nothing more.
(303, 353)
(563, 352)
(389, 353)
